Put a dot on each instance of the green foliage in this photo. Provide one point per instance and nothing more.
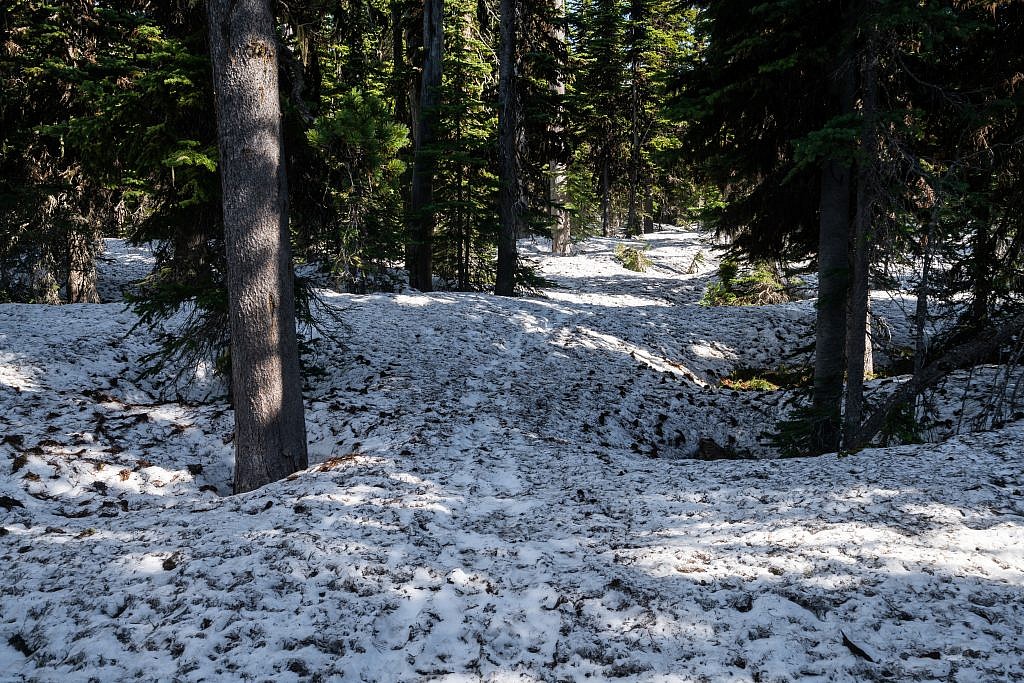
(902, 426)
(752, 384)
(758, 287)
(356, 145)
(768, 379)
(633, 258)
(465, 188)
(793, 436)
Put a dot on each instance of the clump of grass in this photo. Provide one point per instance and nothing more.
(633, 258)
(757, 287)
(762, 379)
(753, 384)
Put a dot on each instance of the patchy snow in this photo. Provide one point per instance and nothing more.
(501, 492)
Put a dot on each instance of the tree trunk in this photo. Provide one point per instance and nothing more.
(422, 217)
(635, 18)
(270, 432)
(561, 232)
(648, 210)
(606, 199)
(858, 316)
(833, 282)
(81, 269)
(829, 347)
(509, 187)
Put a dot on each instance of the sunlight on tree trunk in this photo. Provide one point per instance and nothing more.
(270, 433)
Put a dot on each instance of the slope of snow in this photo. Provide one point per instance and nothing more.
(502, 492)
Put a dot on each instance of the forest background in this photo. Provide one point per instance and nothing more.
(877, 143)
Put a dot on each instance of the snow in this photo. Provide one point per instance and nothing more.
(502, 490)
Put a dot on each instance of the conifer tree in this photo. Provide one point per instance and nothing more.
(422, 222)
(270, 433)
(510, 193)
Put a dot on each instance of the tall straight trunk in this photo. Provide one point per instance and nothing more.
(510, 204)
(606, 197)
(633, 214)
(830, 329)
(857, 325)
(561, 231)
(270, 432)
(422, 218)
(635, 19)
(833, 272)
(648, 210)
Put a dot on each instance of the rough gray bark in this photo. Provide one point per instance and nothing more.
(561, 232)
(510, 195)
(422, 220)
(270, 432)
(833, 284)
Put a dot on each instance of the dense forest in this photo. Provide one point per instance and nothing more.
(873, 140)
(485, 247)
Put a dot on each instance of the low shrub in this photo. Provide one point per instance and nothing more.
(633, 258)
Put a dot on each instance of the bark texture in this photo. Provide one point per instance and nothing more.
(270, 432)
(81, 269)
(422, 220)
(833, 281)
(830, 330)
(561, 231)
(858, 330)
(510, 195)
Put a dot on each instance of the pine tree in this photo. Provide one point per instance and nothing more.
(422, 222)
(510, 192)
(599, 97)
(270, 434)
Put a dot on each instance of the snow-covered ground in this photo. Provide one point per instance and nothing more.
(502, 491)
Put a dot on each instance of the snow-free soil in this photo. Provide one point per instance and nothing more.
(502, 491)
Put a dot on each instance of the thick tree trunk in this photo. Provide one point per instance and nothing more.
(561, 231)
(858, 328)
(833, 278)
(833, 282)
(270, 433)
(422, 218)
(510, 202)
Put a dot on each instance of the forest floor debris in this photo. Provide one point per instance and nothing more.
(502, 490)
